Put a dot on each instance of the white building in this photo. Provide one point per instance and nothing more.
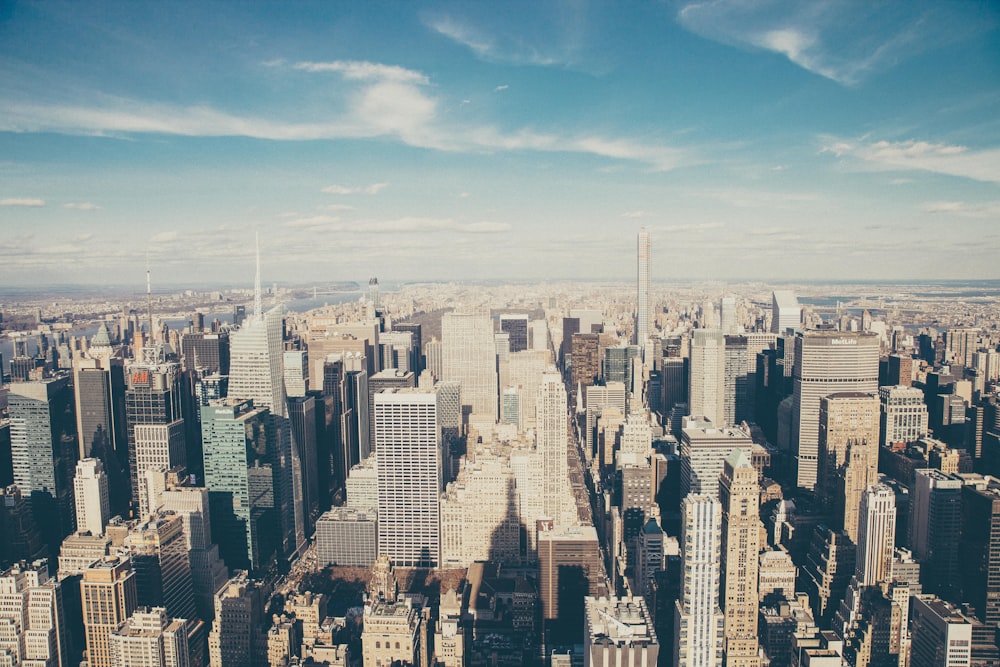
(876, 535)
(407, 439)
(468, 355)
(479, 514)
(149, 638)
(704, 449)
(706, 384)
(941, 635)
(642, 298)
(618, 632)
(552, 440)
(904, 414)
(785, 311)
(32, 618)
(90, 486)
(698, 621)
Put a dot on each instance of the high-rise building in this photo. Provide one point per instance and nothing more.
(618, 632)
(552, 442)
(408, 446)
(208, 571)
(108, 591)
(389, 378)
(727, 315)
(33, 626)
(44, 451)
(150, 638)
(826, 363)
(162, 568)
(876, 535)
(239, 450)
(398, 351)
(935, 529)
(236, 636)
(154, 398)
(941, 634)
(468, 355)
(206, 351)
(737, 405)
(569, 569)
(704, 449)
(296, 373)
(785, 311)
(739, 493)
(416, 330)
(99, 387)
(256, 372)
(848, 454)
(904, 415)
(642, 329)
(586, 356)
(706, 386)
(157, 446)
(516, 325)
(900, 370)
(980, 550)
(699, 624)
(91, 495)
(346, 536)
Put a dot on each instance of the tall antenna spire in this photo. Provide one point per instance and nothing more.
(258, 307)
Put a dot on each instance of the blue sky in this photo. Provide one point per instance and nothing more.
(767, 140)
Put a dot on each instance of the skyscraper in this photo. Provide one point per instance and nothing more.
(935, 530)
(739, 493)
(704, 449)
(876, 535)
(108, 591)
(848, 454)
(642, 296)
(90, 485)
(785, 311)
(707, 380)
(235, 639)
(904, 414)
(150, 638)
(33, 627)
(552, 441)
(408, 447)
(699, 622)
(826, 362)
(468, 354)
(515, 324)
(44, 451)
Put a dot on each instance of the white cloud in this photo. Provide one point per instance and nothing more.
(554, 40)
(361, 70)
(165, 237)
(404, 225)
(336, 189)
(501, 88)
(82, 206)
(979, 165)
(336, 207)
(845, 40)
(989, 209)
(634, 214)
(701, 227)
(22, 201)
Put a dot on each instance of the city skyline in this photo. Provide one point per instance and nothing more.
(518, 144)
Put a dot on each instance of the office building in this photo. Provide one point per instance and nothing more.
(552, 438)
(598, 399)
(935, 529)
(44, 452)
(346, 536)
(618, 631)
(699, 624)
(239, 450)
(33, 626)
(707, 387)
(785, 311)
(91, 495)
(903, 415)
(704, 449)
(876, 535)
(409, 476)
(389, 378)
(108, 592)
(391, 634)
(900, 370)
(99, 388)
(941, 636)
(150, 638)
(399, 351)
(237, 634)
(569, 569)
(479, 514)
(161, 564)
(157, 446)
(416, 331)
(848, 454)
(207, 352)
(980, 550)
(586, 355)
(468, 356)
(826, 363)
(739, 494)
(737, 406)
(295, 365)
(515, 325)
(642, 324)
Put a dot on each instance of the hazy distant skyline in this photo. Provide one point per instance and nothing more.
(782, 141)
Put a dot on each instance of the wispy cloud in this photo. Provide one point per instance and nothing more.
(953, 160)
(372, 189)
(842, 40)
(22, 201)
(634, 214)
(701, 227)
(753, 198)
(403, 225)
(501, 88)
(989, 209)
(82, 206)
(361, 70)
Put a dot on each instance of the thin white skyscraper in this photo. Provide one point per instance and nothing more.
(90, 486)
(699, 622)
(468, 356)
(552, 434)
(642, 300)
(408, 442)
(785, 311)
(876, 535)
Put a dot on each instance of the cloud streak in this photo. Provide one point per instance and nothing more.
(361, 70)
(952, 160)
(25, 202)
(81, 206)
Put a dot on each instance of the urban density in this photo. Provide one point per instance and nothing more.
(567, 333)
(533, 474)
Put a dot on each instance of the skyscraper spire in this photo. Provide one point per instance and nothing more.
(258, 307)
